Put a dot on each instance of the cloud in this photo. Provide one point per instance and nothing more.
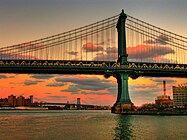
(57, 97)
(48, 93)
(111, 54)
(153, 53)
(87, 86)
(29, 82)
(31, 57)
(29, 46)
(161, 39)
(149, 41)
(106, 57)
(148, 51)
(42, 76)
(73, 53)
(55, 84)
(18, 49)
(76, 89)
(160, 81)
(4, 55)
(98, 92)
(73, 89)
(12, 76)
(145, 87)
(111, 50)
(144, 92)
(90, 47)
(164, 60)
(3, 76)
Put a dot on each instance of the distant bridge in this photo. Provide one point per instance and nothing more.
(79, 106)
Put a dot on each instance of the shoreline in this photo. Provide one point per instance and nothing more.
(24, 108)
(154, 113)
(171, 113)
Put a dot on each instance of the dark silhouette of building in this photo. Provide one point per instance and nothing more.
(12, 100)
(31, 99)
(20, 101)
(78, 103)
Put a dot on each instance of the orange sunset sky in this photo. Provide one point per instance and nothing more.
(26, 20)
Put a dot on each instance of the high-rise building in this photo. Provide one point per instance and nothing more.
(20, 101)
(31, 99)
(78, 103)
(180, 96)
(27, 102)
(12, 100)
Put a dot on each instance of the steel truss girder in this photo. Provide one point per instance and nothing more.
(134, 69)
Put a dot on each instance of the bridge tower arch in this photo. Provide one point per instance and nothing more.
(123, 101)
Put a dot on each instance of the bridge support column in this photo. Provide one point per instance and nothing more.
(123, 102)
(123, 92)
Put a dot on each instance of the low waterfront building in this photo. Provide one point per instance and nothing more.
(4, 102)
(164, 100)
(180, 96)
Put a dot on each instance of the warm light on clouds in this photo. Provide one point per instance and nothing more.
(92, 89)
(148, 51)
(161, 39)
(90, 47)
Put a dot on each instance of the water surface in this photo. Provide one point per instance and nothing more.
(89, 125)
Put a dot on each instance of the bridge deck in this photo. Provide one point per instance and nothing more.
(135, 69)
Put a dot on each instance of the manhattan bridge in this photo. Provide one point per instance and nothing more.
(120, 46)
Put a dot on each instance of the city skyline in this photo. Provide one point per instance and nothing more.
(12, 101)
(29, 20)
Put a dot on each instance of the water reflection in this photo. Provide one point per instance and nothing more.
(123, 129)
(89, 125)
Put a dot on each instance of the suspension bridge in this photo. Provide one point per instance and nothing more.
(121, 46)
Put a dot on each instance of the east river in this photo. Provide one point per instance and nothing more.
(89, 125)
